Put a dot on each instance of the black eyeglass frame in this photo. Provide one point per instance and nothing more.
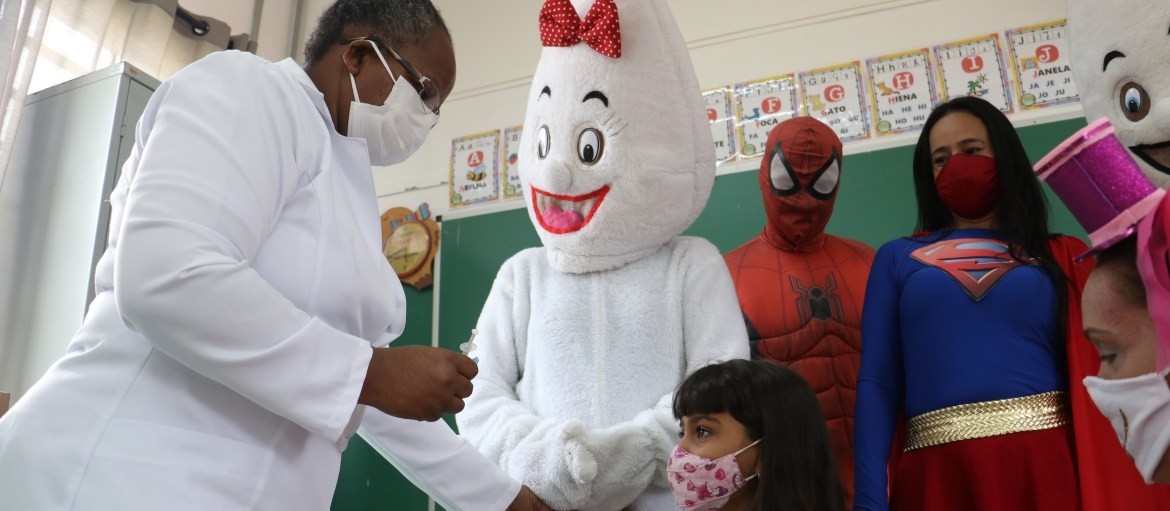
(426, 88)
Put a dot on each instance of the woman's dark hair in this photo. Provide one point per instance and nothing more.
(797, 468)
(1022, 213)
(1121, 261)
(399, 23)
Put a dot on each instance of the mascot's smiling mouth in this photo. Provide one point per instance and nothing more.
(563, 214)
(1157, 155)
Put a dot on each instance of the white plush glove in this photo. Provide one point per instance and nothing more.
(555, 463)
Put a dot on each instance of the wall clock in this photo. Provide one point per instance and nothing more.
(410, 241)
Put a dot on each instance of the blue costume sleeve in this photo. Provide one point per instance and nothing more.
(880, 385)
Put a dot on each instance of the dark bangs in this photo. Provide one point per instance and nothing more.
(720, 388)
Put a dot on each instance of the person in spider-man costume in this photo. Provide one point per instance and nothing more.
(801, 289)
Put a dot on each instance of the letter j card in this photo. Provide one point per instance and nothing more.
(1042, 63)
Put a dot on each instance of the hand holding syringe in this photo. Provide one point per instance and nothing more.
(469, 346)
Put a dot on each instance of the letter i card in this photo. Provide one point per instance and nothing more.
(974, 67)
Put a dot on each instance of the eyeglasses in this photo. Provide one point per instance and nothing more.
(427, 90)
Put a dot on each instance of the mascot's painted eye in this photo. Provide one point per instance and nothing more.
(543, 142)
(590, 146)
(1135, 102)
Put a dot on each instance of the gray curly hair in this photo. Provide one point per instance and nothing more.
(398, 23)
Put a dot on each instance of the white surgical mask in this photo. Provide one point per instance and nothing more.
(1139, 409)
(396, 129)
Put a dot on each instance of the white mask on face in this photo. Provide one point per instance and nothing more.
(1139, 409)
(396, 129)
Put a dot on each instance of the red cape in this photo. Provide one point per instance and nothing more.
(1109, 480)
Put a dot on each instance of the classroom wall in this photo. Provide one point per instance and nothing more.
(275, 34)
(875, 204)
(236, 13)
(497, 48)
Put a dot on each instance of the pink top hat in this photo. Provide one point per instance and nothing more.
(1095, 176)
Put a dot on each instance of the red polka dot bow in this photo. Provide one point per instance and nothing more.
(560, 26)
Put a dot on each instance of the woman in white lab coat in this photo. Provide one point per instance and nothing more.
(230, 351)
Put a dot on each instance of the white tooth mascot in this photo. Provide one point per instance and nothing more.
(1121, 62)
(582, 342)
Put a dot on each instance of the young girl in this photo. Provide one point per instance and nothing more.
(753, 438)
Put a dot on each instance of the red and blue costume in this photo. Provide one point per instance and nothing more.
(951, 319)
(801, 289)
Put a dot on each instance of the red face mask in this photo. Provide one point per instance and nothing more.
(799, 178)
(968, 185)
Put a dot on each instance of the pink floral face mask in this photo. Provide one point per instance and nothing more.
(702, 484)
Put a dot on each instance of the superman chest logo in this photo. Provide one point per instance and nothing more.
(975, 264)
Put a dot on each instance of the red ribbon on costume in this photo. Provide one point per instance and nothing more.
(560, 26)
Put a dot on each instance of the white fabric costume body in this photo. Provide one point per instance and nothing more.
(1121, 61)
(582, 342)
(220, 363)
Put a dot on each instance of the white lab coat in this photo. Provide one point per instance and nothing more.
(220, 363)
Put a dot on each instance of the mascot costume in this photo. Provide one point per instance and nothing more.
(582, 341)
(1121, 61)
(801, 289)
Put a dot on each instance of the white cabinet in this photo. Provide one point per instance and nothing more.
(54, 212)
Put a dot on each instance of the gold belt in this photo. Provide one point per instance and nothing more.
(987, 419)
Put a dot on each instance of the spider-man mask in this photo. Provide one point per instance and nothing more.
(799, 178)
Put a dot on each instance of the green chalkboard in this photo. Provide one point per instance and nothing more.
(367, 481)
(876, 204)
